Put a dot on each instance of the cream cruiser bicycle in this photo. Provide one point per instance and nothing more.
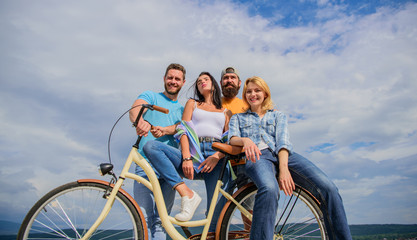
(97, 209)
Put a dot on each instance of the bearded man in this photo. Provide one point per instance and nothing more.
(230, 82)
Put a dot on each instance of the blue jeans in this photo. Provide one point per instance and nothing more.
(263, 174)
(310, 177)
(145, 199)
(167, 161)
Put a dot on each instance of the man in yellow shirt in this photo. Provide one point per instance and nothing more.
(230, 83)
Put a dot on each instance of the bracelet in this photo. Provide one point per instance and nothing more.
(187, 159)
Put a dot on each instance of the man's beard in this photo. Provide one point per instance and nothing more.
(170, 92)
(230, 92)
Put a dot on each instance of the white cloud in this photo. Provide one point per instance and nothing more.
(367, 186)
(69, 69)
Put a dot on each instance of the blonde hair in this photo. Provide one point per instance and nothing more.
(267, 103)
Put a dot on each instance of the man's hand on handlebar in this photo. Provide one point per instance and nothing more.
(143, 128)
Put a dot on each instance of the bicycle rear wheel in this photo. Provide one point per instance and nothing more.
(298, 216)
(67, 212)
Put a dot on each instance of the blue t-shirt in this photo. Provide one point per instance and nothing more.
(160, 119)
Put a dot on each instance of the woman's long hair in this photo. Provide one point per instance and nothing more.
(215, 91)
(267, 103)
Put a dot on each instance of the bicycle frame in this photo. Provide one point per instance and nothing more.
(153, 185)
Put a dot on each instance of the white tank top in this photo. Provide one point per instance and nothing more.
(208, 124)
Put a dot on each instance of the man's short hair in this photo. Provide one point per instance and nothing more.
(175, 66)
(230, 70)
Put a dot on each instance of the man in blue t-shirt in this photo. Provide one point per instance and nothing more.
(163, 130)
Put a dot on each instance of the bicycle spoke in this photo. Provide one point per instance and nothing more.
(61, 233)
(115, 234)
(298, 228)
(284, 212)
(67, 220)
(298, 217)
(58, 230)
(68, 212)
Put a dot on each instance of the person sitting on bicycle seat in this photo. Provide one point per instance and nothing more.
(163, 132)
(207, 120)
(263, 132)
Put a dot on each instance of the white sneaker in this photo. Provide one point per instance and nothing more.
(188, 207)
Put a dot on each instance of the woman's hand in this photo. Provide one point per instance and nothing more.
(158, 131)
(252, 151)
(188, 169)
(285, 181)
(210, 163)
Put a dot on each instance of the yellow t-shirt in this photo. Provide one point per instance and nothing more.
(235, 105)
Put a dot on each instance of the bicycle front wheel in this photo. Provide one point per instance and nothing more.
(67, 212)
(298, 216)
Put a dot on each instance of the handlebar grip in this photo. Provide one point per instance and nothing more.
(160, 109)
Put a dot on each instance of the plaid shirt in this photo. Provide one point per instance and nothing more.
(272, 128)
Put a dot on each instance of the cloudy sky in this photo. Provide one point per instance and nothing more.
(344, 71)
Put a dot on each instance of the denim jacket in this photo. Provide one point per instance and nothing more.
(273, 128)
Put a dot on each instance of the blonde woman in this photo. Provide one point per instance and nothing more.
(263, 132)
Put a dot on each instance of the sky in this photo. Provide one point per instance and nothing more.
(345, 72)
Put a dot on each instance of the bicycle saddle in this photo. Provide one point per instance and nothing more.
(227, 148)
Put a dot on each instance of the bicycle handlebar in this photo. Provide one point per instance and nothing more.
(150, 107)
(160, 109)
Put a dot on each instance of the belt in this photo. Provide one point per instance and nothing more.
(208, 139)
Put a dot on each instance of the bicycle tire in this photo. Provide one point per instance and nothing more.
(68, 211)
(298, 217)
